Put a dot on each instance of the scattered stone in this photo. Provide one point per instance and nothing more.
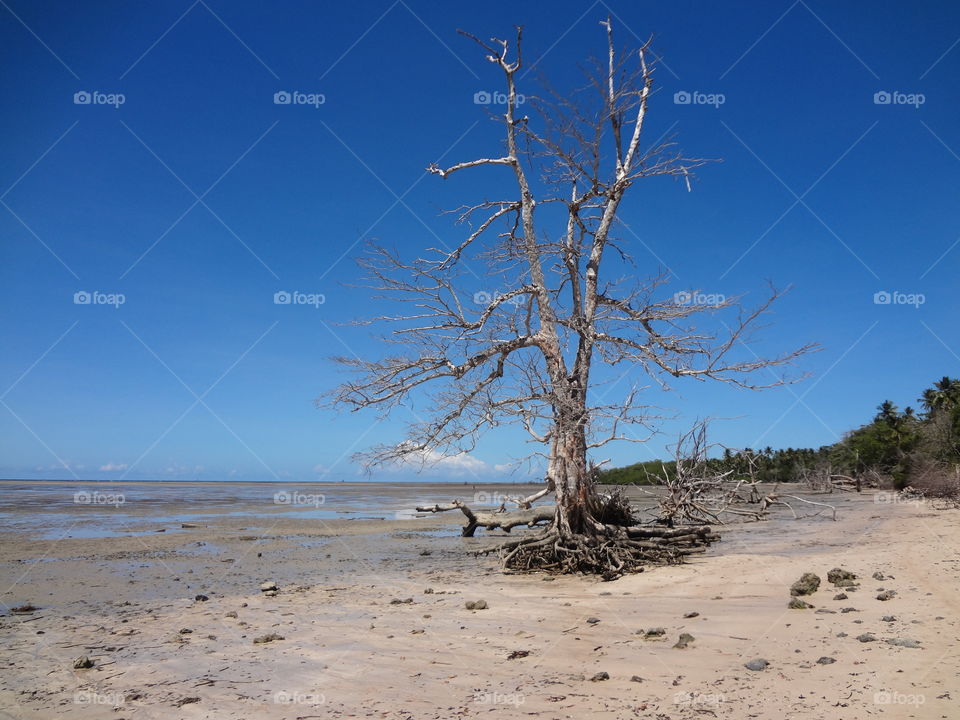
(593, 620)
(636, 678)
(866, 637)
(841, 634)
(840, 596)
(82, 663)
(806, 585)
(201, 598)
(685, 639)
(903, 642)
(655, 632)
(838, 575)
(886, 595)
(428, 591)
(879, 576)
(518, 654)
(267, 638)
(798, 604)
(757, 664)
(889, 618)
(848, 610)
(232, 614)
(691, 615)
(403, 601)
(826, 660)
(476, 605)
(268, 586)
(600, 676)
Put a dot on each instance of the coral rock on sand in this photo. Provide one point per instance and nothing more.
(757, 664)
(600, 676)
(806, 585)
(798, 604)
(886, 595)
(866, 637)
(476, 605)
(841, 577)
(903, 642)
(82, 663)
(685, 639)
(826, 660)
(267, 638)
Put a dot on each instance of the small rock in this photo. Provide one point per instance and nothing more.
(269, 585)
(889, 618)
(593, 620)
(267, 638)
(886, 595)
(806, 585)
(839, 575)
(840, 596)
(636, 678)
(879, 576)
(824, 611)
(518, 654)
(201, 598)
(185, 631)
(903, 642)
(231, 614)
(757, 664)
(655, 632)
(428, 591)
(866, 637)
(826, 660)
(403, 601)
(848, 610)
(82, 663)
(685, 639)
(600, 676)
(798, 604)
(691, 615)
(476, 605)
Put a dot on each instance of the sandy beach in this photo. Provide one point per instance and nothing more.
(370, 620)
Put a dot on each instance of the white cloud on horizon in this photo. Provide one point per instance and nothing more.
(114, 467)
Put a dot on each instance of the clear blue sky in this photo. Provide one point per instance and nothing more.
(198, 198)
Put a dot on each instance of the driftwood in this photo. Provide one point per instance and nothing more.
(494, 519)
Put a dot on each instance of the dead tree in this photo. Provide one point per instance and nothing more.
(568, 298)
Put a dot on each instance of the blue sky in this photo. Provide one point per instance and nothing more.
(198, 198)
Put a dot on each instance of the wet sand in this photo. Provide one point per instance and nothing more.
(373, 620)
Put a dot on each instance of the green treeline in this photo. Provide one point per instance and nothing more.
(897, 446)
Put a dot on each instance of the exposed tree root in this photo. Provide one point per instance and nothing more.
(619, 551)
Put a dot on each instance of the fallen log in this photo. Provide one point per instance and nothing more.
(491, 520)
